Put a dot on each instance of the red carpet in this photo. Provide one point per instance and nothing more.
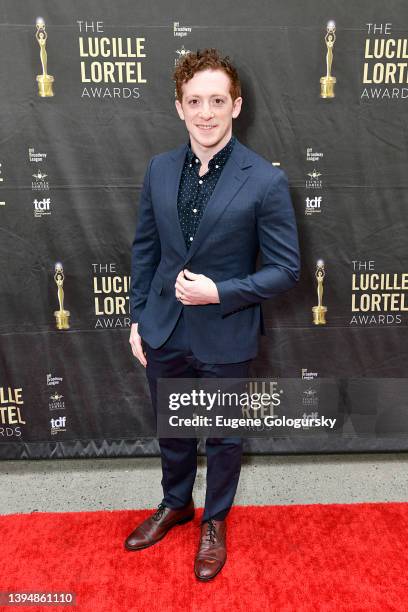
(303, 558)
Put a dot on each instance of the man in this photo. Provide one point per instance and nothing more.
(206, 210)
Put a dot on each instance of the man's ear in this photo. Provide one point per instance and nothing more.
(236, 109)
(179, 110)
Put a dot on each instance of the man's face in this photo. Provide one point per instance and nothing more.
(208, 109)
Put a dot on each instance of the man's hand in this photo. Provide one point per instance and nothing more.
(198, 289)
(136, 344)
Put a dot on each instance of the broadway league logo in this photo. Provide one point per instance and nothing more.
(53, 380)
(313, 156)
(306, 375)
(180, 31)
(36, 157)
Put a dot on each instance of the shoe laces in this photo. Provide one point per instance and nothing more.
(211, 531)
(159, 512)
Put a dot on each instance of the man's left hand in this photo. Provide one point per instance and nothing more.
(193, 289)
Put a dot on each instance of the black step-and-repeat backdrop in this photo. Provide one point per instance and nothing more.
(87, 99)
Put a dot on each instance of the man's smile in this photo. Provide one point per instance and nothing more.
(205, 127)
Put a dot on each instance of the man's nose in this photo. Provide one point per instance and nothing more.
(206, 111)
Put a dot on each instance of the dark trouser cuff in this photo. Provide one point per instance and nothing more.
(221, 516)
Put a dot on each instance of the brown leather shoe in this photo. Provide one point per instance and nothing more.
(212, 552)
(156, 526)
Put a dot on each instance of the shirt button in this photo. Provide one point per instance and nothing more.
(200, 181)
(191, 238)
(194, 210)
(217, 166)
(191, 165)
(196, 161)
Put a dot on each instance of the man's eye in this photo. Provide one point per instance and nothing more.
(219, 101)
(193, 101)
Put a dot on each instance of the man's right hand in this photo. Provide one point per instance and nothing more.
(136, 343)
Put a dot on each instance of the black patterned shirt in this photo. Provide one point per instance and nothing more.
(195, 190)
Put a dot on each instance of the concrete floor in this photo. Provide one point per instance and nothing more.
(67, 485)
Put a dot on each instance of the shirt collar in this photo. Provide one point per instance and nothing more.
(218, 159)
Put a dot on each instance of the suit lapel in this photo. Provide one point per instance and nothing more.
(230, 182)
(172, 187)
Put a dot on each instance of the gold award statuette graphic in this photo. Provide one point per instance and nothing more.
(44, 80)
(327, 82)
(61, 315)
(319, 311)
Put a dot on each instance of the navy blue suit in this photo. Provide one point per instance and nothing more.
(249, 211)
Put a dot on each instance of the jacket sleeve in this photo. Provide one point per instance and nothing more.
(279, 248)
(146, 251)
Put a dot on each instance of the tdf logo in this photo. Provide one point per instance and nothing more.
(313, 205)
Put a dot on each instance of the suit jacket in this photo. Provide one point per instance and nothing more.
(250, 211)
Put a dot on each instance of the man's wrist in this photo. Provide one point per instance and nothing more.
(217, 299)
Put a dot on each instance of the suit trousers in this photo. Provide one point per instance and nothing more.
(174, 359)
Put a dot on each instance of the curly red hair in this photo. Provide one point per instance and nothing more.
(208, 59)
